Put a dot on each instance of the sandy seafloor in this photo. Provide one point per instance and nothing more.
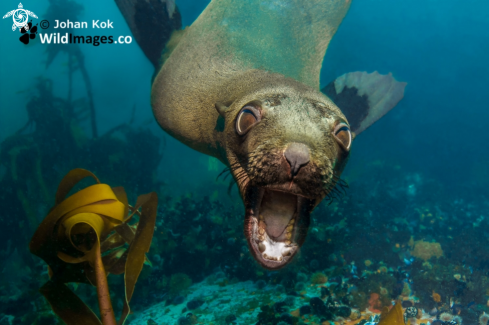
(243, 300)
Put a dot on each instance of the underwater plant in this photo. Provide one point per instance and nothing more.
(84, 237)
(179, 282)
(319, 278)
(426, 250)
(393, 316)
(71, 10)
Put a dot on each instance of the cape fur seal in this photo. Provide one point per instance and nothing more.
(242, 84)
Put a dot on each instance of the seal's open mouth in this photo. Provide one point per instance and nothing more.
(276, 225)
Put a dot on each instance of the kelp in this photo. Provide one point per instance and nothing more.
(393, 316)
(84, 238)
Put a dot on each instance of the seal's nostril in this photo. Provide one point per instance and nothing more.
(297, 154)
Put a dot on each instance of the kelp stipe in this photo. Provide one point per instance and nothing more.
(76, 233)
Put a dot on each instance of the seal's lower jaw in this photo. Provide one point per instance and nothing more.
(276, 225)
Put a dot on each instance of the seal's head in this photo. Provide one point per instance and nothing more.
(286, 145)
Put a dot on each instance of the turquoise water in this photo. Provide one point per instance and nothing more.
(417, 178)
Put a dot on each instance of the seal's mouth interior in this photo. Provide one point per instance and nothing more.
(277, 223)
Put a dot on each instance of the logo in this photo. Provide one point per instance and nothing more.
(20, 17)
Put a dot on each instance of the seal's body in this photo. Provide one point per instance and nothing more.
(242, 85)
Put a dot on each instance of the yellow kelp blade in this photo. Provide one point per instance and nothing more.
(46, 244)
(69, 241)
(139, 246)
(67, 305)
(393, 317)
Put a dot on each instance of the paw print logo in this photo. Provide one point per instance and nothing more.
(28, 33)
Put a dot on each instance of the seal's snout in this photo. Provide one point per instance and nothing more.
(297, 155)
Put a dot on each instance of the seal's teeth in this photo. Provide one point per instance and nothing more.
(261, 238)
(288, 235)
(289, 228)
(261, 231)
(261, 247)
(287, 252)
(288, 242)
(272, 258)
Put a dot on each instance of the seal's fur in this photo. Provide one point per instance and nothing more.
(267, 55)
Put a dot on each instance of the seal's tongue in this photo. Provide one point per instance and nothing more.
(277, 208)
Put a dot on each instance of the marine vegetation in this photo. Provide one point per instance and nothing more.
(60, 135)
(394, 316)
(426, 250)
(87, 236)
(71, 10)
(360, 253)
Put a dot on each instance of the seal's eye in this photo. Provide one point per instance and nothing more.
(342, 134)
(248, 117)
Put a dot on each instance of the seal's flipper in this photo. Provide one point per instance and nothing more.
(152, 23)
(364, 97)
(289, 37)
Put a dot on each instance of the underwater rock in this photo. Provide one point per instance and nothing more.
(289, 300)
(194, 304)
(260, 284)
(279, 288)
(314, 264)
(178, 300)
(300, 286)
(325, 292)
(279, 307)
(286, 318)
(189, 319)
(456, 309)
(301, 277)
(230, 319)
(266, 316)
(305, 310)
(407, 304)
(345, 301)
(343, 311)
(433, 312)
(43, 319)
(319, 308)
(156, 258)
(460, 288)
(6, 319)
